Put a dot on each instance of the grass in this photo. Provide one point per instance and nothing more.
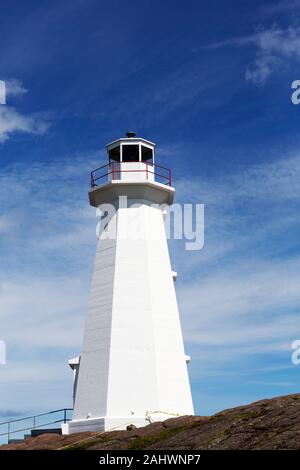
(139, 443)
(86, 443)
(217, 438)
(143, 442)
(248, 415)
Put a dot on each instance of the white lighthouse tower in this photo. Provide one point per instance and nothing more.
(132, 368)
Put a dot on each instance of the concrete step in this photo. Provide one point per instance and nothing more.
(38, 432)
(15, 441)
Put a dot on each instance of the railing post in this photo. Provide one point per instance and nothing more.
(113, 170)
(8, 432)
(146, 169)
(34, 422)
(65, 415)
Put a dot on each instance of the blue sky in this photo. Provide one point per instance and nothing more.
(210, 83)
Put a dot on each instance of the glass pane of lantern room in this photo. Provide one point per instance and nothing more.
(114, 154)
(130, 153)
(147, 153)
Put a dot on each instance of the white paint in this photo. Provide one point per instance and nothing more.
(74, 365)
(132, 364)
(131, 171)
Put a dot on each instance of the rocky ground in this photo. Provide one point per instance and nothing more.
(266, 424)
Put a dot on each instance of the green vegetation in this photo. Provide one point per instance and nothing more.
(86, 443)
(143, 442)
(247, 415)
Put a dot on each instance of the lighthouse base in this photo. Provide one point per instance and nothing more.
(115, 423)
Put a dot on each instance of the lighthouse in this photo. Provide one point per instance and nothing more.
(132, 368)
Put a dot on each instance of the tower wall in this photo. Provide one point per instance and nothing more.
(91, 391)
(132, 363)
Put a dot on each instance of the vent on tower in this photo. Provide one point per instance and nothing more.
(130, 134)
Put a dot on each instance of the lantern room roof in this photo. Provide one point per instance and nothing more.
(130, 140)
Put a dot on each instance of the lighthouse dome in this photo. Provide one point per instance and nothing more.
(131, 149)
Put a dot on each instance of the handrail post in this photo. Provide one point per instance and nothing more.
(34, 422)
(8, 432)
(115, 169)
(65, 415)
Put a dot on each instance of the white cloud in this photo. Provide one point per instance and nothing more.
(45, 270)
(249, 304)
(275, 48)
(44, 383)
(282, 6)
(241, 293)
(235, 41)
(14, 87)
(52, 234)
(42, 312)
(12, 121)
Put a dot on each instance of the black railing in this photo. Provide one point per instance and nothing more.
(115, 169)
(35, 422)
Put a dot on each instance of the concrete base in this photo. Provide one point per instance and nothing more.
(110, 424)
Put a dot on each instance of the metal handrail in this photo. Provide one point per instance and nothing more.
(9, 431)
(36, 416)
(111, 170)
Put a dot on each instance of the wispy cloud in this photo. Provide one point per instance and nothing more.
(281, 6)
(274, 48)
(250, 304)
(235, 41)
(47, 245)
(11, 121)
(239, 297)
(7, 413)
(14, 87)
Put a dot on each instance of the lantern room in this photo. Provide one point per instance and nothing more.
(131, 150)
(130, 160)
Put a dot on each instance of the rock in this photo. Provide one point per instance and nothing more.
(265, 424)
(131, 427)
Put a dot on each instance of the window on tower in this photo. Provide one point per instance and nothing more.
(130, 153)
(114, 154)
(147, 153)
